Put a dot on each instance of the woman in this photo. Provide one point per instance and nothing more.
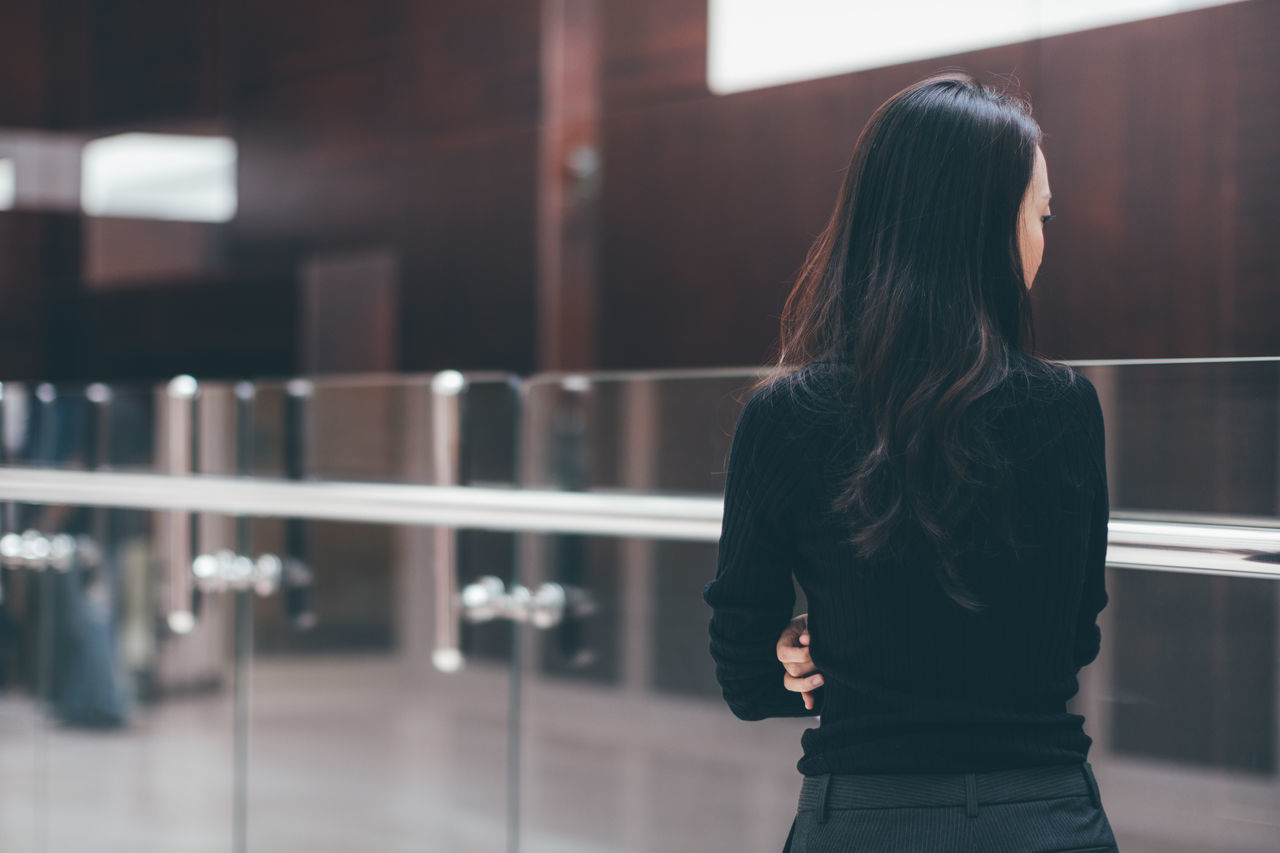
(938, 491)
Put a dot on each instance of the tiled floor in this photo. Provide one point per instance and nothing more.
(364, 754)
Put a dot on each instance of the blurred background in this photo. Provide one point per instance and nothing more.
(544, 245)
(509, 185)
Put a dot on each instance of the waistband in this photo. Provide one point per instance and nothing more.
(889, 790)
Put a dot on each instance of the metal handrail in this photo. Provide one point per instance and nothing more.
(1201, 548)
(475, 507)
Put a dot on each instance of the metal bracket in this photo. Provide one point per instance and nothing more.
(488, 599)
(227, 570)
(35, 551)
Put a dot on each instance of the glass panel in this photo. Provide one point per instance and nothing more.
(626, 743)
(1182, 700)
(625, 740)
(358, 740)
(117, 732)
(132, 725)
(24, 644)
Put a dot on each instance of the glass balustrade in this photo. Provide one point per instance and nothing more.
(311, 676)
(1181, 703)
(117, 732)
(378, 720)
(626, 742)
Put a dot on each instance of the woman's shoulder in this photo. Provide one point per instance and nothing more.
(820, 392)
(803, 394)
(1052, 405)
(786, 406)
(1048, 383)
(1029, 379)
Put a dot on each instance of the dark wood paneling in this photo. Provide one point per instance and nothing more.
(710, 205)
(282, 39)
(468, 235)
(1255, 96)
(157, 60)
(349, 304)
(568, 195)
(413, 125)
(22, 65)
(62, 247)
(69, 46)
(1161, 150)
(1139, 154)
(317, 165)
(316, 92)
(653, 52)
(214, 329)
(417, 133)
(471, 67)
(22, 297)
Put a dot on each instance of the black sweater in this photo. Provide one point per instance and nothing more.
(913, 682)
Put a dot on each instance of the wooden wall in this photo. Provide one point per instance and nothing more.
(401, 125)
(383, 126)
(1162, 155)
(27, 281)
(413, 128)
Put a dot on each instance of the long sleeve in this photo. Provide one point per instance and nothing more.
(752, 595)
(1094, 596)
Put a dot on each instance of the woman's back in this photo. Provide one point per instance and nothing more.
(939, 492)
(913, 681)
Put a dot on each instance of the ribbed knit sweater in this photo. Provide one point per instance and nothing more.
(912, 681)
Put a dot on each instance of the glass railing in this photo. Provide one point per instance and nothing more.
(462, 611)
(413, 754)
(117, 733)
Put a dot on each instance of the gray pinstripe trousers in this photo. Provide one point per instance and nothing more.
(1054, 809)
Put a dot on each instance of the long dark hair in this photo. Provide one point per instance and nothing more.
(916, 284)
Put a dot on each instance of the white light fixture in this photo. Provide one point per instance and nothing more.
(752, 44)
(160, 176)
(8, 184)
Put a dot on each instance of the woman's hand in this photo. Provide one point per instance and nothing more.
(793, 651)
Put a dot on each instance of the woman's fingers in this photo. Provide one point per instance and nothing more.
(792, 643)
(793, 646)
(795, 659)
(802, 684)
(793, 652)
(799, 669)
